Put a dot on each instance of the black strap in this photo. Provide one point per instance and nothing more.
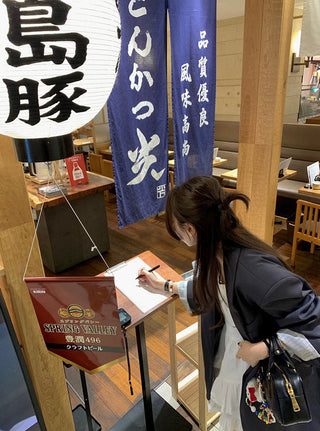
(276, 350)
(128, 359)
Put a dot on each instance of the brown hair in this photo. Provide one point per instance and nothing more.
(202, 202)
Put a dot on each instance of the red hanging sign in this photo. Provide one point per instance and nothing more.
(79, 319)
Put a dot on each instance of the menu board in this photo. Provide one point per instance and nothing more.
(79, 319)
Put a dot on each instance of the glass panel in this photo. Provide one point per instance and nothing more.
(309, 101)
(18, 403)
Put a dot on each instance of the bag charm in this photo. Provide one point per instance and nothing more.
(257, 402)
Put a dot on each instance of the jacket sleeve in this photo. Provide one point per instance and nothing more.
(298, 345)
(183, 294)
(285, 298)
(293, 304)
(185, 289)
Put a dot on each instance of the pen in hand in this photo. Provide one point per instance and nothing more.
(150, 270)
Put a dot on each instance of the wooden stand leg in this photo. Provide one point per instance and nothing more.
(173, 354)
(16, 233)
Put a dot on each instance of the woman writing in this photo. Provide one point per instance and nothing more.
(244, 294)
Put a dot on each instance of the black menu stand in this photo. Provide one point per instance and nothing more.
(83, 421)
(152, 413)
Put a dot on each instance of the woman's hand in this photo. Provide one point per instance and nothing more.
(148, 279)
(252, 353)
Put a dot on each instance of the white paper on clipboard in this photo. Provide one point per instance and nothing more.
(125, 280)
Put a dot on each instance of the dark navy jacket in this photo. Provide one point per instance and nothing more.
(264, 297)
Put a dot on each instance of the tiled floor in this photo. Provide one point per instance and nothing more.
(164, 390)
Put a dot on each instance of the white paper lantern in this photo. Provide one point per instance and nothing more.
(57, 64)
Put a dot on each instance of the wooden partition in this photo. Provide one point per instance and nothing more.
(267, 35)
(16, 233)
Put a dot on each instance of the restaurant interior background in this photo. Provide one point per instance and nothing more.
(303, 89)
(302, 96)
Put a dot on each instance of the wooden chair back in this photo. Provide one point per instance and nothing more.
(306, 226)
(107, 171)
(95, 162)
(106, 167)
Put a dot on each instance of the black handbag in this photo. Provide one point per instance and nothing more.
(283, 386)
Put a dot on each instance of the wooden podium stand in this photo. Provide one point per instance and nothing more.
(152, 413)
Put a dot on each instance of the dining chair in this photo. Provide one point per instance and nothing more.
(306, 226)
(106, 168)
(107, 171)
(95, 163)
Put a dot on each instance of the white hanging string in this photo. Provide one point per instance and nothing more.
(94, 247)
(35, 232)
(77, 217)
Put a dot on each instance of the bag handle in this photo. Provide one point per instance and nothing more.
(269, 343)
(276, 349)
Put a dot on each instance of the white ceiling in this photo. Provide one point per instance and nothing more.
(231, 8)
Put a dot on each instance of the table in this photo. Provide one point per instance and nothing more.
(106, 153)
(218, 161)
(152, 413)
(233, 175)
(62, 240)
(83, 142)
(230, 175)
(309, 192)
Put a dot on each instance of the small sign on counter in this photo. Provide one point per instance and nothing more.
(77, 169)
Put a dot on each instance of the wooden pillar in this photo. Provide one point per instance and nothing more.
(267, 35)
(16, 233)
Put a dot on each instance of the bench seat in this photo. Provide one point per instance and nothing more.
(299, 141)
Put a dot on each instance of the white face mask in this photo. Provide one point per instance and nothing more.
(186, 233)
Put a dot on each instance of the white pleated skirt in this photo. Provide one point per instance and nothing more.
(226, 390)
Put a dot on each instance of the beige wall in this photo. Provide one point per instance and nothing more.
(101, 126)
(229, 72)
(229, 68)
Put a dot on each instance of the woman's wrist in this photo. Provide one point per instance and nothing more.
(264, 350)
(173, 287)
(170, 286)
